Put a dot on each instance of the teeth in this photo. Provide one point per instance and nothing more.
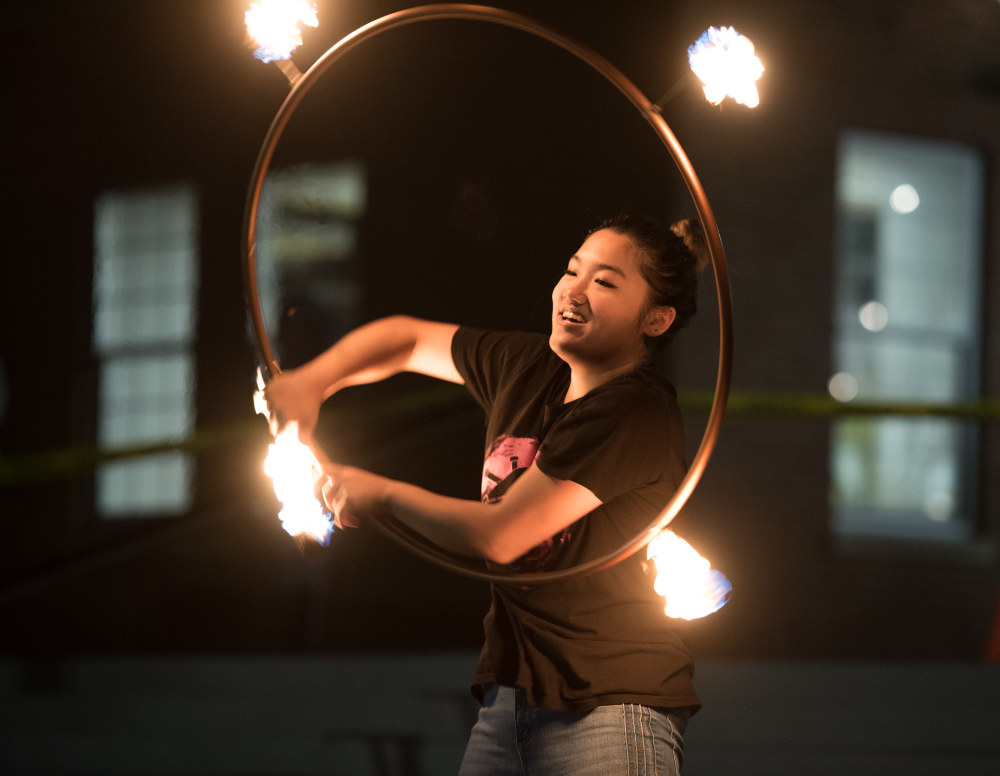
(569, 315)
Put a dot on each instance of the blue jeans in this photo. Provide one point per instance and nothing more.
(513, 738)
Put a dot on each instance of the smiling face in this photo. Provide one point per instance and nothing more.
(600, 307)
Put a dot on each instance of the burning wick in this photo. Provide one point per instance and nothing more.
(274, 27)
(686, 580)
(727, 66)
(294, 470)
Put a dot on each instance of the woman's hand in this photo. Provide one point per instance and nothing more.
(353, 495)
(292, 398)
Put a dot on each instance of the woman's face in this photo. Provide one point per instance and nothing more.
(599, 305)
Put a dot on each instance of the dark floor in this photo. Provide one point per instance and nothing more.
(408, 714)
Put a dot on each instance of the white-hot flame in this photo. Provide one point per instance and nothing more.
(294, 471)
(686, 580)
(725, 62)
(274, 26)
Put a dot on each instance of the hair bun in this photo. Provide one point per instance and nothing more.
(690, 231)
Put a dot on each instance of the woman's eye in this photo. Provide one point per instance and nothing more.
(605, 283)
(570, 272)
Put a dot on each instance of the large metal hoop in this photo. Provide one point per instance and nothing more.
(652, 115)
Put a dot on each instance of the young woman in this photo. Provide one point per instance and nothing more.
(583, 675)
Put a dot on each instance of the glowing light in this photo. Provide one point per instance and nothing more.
(690, 586)
(725, 62)
(294, 471)
(873, 316)
(843, 386)
(904, 199)
(274, 26)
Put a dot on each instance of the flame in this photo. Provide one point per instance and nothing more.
(686, 580)
(294, 470)
(274, 26)
(727, 66)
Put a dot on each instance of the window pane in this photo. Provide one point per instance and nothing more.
(144, 268)
(145, 399)
(153, 485)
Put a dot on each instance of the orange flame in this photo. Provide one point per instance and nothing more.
(690, 586)
(274, 26)
(725, 62)
(294, 471)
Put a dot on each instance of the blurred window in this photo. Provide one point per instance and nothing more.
(145, 316)
(907, 329)
(308, 256)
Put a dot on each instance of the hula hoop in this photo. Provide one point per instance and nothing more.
(651, 114)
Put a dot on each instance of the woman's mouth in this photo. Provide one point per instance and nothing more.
(571, 316)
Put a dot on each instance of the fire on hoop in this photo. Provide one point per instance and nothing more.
(294, 470)
(689, 585)
(274, 26)
(725, 63)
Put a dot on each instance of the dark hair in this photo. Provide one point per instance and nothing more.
(674, 256)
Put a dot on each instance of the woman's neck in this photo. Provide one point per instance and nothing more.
(583, 380)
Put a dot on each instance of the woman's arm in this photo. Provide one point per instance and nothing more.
(367, 354)
(534, 508)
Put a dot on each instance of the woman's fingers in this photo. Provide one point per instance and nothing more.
(335, 497)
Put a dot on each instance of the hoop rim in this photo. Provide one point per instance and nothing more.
(651, 114)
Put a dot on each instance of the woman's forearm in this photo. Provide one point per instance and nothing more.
(459, 526)
(535, 508)
(371, 352)
(367, 354)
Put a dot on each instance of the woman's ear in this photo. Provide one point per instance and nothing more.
(658, 320)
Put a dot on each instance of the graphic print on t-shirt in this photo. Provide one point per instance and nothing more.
(507, 454)
(507, 459)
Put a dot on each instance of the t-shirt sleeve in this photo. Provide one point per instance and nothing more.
(485, 359)
(613, 443)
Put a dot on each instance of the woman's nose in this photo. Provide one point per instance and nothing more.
(574, 290)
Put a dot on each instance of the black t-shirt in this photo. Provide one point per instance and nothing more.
(588, 640)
